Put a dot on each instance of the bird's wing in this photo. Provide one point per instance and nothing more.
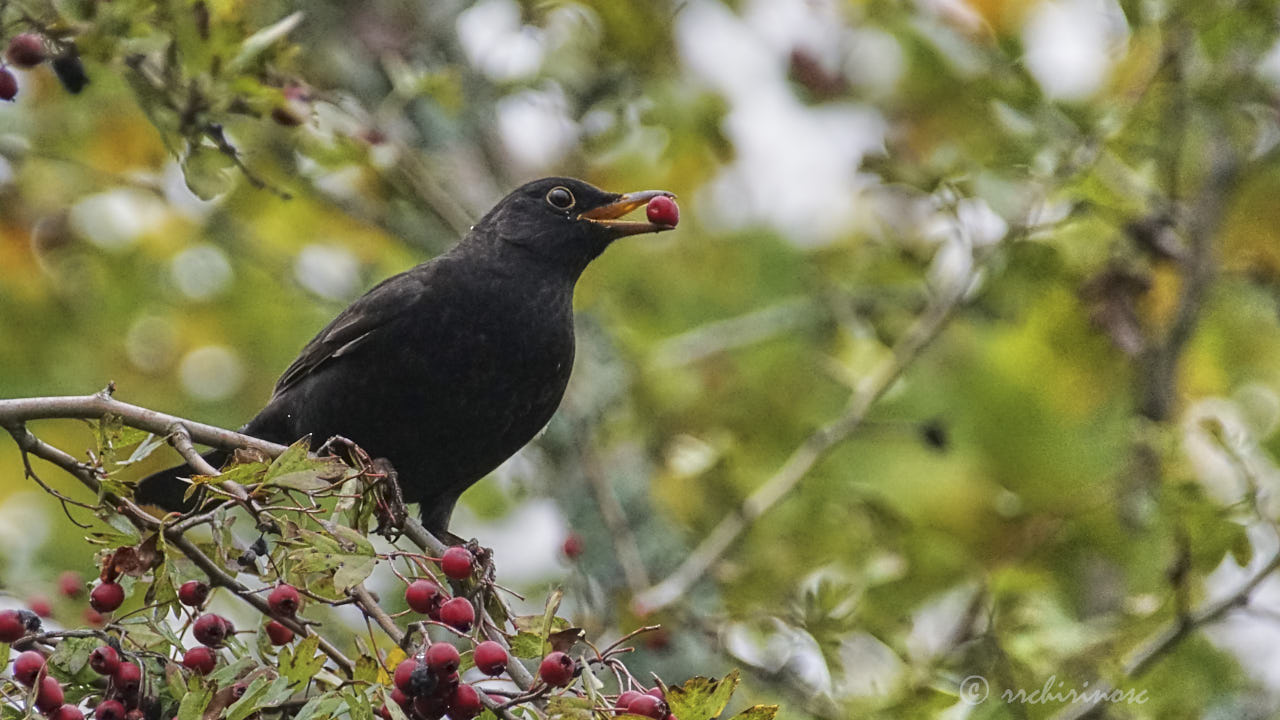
(360, 321)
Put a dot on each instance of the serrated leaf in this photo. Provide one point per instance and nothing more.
(359, 705)
(701, 698)
(302, 661)
(757, 712)
(320, 706)
(527, 645)
(193, 704)
(256, 696)
(366, 669)
(70, 660)
(174, 681)
(568, 706)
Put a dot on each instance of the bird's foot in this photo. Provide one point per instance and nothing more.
(390, 508)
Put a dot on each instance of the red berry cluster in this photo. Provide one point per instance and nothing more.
(426, 596)
(651, 704)
(427, 686)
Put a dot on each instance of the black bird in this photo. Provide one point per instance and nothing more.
(449, 368)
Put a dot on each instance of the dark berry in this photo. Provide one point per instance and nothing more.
(70, 584)
(193, 593)
(663, 210)
(457, 562)
(200, 659)
(67, 712)
(423, 596)
(458, 614)
(443, 658)
(210, 630)
(8, 84)
(109, 710)
(70, 71)
(49, 697)
(27, 667)
(135, 714)
(104, 660)
(16, 623)
(25, 50)
(556, 669)
(403, 675)
(284, 600)
(398, 697)
(128, 678)
(649, 706)
(429, 707)
(572, 546)
(463, 703)
(106, 597)
(490, 658)
(278, 633)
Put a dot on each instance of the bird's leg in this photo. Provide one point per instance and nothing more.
(391, 508)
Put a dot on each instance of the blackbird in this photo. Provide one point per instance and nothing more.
(449, 368)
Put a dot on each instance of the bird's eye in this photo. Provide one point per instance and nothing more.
(560, 198)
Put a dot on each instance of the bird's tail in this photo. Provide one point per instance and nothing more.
(163, 488)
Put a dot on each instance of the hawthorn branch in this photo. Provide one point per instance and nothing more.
(1168, 638)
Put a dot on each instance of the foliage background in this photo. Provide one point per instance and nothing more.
(1084, 455)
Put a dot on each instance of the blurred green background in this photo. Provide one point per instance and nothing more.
(1085, 453)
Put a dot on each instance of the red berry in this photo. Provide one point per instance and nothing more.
(70, 583)
(67, 712)
(109, 710)
(458, 614)
(626, 698)
(490, 658)
(663, 210)
(106, 597)
(403, 675)
(104, 660)
(457, 562)
(49, 697)
(572, 546)
(128, 678)
(649, 706)
(284, 600)
(25, 50)
(423, 596)
(656, 692)
(200, 659)
(193, 593)
(398, 697)
(278, 633)
(94, 618)
(556, 669)
(8, 84)
(210, 630)
(443, 658)
(27, 667)
(464, 703)
(11, 626)
(39, 605)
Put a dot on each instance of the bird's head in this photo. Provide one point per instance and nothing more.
(566, 221)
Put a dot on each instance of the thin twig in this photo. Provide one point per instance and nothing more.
(802, 460)
(625, 546)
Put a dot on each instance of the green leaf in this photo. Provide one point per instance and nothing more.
(352, 573)
(193, 704)
(359, 705)
(70, 660)
(209, 172)
(568, 706)
(257, 43)
(701, 698)
(527, 645)
(320, 706)
(367, 668)
(757, 712)
(302, 661)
